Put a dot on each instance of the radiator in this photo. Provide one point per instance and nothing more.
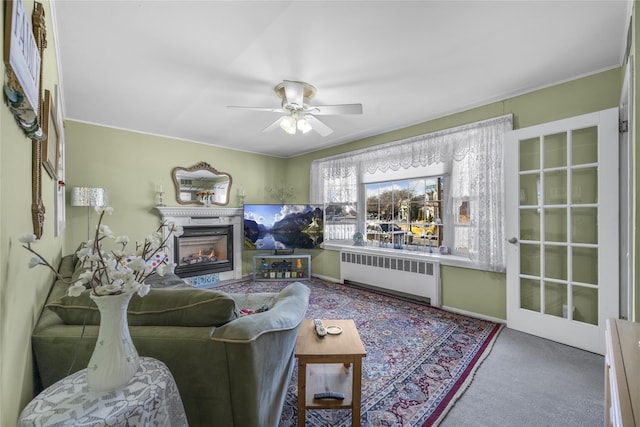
(393, 272)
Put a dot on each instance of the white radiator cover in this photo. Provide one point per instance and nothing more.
(393, 272)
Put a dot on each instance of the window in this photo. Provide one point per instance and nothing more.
(340, 207)
(461, 225)
(405, 212)
(383, 185)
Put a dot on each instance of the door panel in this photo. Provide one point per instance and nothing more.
(562, 226)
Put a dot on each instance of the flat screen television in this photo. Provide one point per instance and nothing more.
(283, 226)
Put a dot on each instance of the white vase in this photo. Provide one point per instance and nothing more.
(114, 360)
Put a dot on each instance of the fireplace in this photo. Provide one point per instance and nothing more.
(203, 250)
(191, 219)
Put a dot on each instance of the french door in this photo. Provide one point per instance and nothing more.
(562, 229)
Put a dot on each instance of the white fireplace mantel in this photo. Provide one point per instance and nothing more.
(198, 211)
(186, 216)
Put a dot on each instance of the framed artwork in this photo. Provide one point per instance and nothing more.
(59, 184)
(21, 52)
(50, 130)
(25, 38)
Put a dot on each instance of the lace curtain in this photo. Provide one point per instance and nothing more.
(474, 156)
(335, 183)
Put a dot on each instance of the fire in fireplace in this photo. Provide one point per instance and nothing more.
(203, 250)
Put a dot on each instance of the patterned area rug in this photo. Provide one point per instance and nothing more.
(420, 359)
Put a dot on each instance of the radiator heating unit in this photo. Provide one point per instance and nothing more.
(398, 274)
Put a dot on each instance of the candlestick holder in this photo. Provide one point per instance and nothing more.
(160, 197)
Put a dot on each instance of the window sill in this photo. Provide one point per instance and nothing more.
(451, 260)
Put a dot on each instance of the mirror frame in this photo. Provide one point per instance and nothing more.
(202, 166)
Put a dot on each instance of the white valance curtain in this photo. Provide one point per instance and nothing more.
(474, 156)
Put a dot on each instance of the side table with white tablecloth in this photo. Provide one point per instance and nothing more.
(150, 399)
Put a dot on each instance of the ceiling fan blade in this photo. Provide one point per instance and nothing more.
(294, 92)
(327, 110)
(273, 110)
(273, 126)
(318, 126)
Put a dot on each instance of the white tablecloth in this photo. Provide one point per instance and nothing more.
(150, 399)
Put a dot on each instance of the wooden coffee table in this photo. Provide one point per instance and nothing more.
(332, 363)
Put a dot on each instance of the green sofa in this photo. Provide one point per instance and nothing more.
(231, 370)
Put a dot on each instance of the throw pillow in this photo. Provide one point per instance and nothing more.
(161, 307)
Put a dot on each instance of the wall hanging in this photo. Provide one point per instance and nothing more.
(25, 41)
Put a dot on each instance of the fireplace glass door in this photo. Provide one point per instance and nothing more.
(204, 250)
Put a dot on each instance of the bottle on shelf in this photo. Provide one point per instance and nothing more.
(282, 267)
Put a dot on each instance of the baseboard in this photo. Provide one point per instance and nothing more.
(472, 314)
(326, 278)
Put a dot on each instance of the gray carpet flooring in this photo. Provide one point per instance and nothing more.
(529, 381)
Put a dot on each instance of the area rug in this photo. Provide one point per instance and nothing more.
(420, 359)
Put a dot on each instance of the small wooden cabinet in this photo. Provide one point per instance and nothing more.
(294, 267)
(622, 374)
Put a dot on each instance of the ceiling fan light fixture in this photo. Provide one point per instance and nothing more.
(299, 115)
(303, 125)
(288, 124)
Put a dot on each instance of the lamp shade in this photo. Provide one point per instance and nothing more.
(303, 125)
(288, 124)
(87, 196)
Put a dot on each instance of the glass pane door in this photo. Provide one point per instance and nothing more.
(558, 227)
(562, 264)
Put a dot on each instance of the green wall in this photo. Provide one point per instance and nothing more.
(474, 291)
(132, 165)
(22, 291)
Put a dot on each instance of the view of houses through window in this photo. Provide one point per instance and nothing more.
(405, 212)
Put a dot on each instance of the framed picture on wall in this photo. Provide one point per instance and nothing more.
(50, 129)
(21, 53)
(59, 184)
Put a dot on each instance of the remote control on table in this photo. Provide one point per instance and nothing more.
(320, 330)
(329, 395)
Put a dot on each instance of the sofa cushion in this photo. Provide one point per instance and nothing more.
(168, 281)
(161, 307)
(66, 268)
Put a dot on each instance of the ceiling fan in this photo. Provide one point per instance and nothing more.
(299, 115)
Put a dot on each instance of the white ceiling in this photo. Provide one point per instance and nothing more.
(171, 68)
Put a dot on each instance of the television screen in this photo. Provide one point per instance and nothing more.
(283, 226)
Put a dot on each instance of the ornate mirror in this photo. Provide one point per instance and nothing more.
(201, 185)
